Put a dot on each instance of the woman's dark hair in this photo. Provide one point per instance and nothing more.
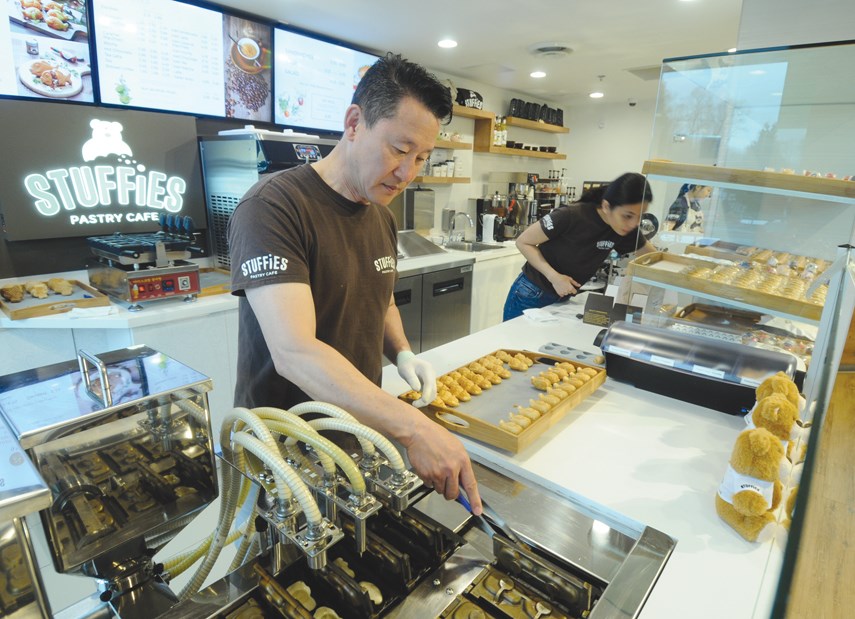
(392, 78)
(628, 188)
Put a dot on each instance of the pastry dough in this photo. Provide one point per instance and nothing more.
(39, 290)
(60, 286)
(541, 382)
(14, 293)
(510, 426)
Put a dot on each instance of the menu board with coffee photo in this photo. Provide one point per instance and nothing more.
(248, 58)
(181, 57)
(44, 50)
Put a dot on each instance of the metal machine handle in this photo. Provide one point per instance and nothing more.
(106, 396)
(447, 287)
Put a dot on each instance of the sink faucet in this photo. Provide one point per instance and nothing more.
(454, 226)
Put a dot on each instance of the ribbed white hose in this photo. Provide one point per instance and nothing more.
(182, 561)
(331, 410)
(277, 414)
(179, 563)
(234, 422)
(189, 406)
(245, 543)
(230, 488)
(321, 444)
(277, 465)
(228, 501)
(325, 448)
(396, 462)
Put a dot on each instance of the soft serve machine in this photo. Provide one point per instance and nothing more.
(123, 441)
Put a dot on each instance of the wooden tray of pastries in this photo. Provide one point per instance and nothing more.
(751, 285)
(509, 398)
(54, 295)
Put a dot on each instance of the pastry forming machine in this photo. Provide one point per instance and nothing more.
(123, 442)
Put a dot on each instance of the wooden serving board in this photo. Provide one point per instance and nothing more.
(666, 268)
(479, 417)
(83, 295)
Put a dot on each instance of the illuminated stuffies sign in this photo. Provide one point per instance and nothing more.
(123, 184)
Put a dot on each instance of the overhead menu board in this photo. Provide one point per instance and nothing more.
(167, 55)
(315, 80)
(44, 50)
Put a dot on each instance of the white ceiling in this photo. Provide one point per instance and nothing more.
(608, 37)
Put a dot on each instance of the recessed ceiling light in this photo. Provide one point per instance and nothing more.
(758, 72)
(596, 95)
(537, 74)
(447, 43)
(731, 50)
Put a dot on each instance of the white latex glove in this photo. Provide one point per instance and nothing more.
(419, 375)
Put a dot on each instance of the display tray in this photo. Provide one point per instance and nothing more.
(214, 280)
(727, 319)
(479, 417)
(82, 295)
(742, 253)
(670, 269)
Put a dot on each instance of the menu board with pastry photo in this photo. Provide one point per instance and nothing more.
(46, 52)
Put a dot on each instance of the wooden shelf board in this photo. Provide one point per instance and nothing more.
(537, 126)
(470, 112)
(453, 145)
(754, 179)
(518, 152)
(442, 180)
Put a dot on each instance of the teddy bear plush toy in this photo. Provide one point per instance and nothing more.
(751, 489)
(777, 409)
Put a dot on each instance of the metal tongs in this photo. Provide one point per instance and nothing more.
(489, 521)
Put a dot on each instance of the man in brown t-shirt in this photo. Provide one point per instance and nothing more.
(314, 257)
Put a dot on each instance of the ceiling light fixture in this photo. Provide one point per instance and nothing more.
(732, 50)
(447, 43)
(537, 74)
(598, 94)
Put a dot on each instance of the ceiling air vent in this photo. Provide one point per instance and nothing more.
(550, 50)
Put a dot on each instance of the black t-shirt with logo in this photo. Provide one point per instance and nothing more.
(579, 242)
(293, 227)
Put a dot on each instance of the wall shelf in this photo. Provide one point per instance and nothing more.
(518, 152)
(470, 112)
(536, 126)
(442, 180)
(453, 145)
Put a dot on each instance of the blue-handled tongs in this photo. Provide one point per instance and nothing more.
(489, 520)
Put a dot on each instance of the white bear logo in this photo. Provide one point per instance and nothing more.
(106, 140)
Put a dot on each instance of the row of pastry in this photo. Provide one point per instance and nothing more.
(14, 293)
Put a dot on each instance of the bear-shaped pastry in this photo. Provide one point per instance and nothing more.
(751, 490)
(106, 140)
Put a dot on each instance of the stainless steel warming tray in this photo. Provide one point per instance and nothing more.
(716, 374)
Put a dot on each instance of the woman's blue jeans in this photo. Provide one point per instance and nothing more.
(526, 295)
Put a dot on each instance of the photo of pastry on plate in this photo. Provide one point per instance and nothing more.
(65, 20)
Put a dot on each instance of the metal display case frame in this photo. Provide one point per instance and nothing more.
(770, 131)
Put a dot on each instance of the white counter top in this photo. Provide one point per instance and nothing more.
(653, 459)
(155, 312)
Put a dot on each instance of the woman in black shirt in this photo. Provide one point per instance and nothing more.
(566, 247)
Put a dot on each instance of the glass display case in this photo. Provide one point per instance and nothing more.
(753, 174)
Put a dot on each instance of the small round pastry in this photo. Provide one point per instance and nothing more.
(510, 426)
(540, 382)
(589, 371)
(516, 364)
(552, 400)
(504, 355)
(552, 377)
(541, 407)
(528, 412)
(521, 420)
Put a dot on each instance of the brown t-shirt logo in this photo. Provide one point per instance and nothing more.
(386, 264)
(263, 266)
